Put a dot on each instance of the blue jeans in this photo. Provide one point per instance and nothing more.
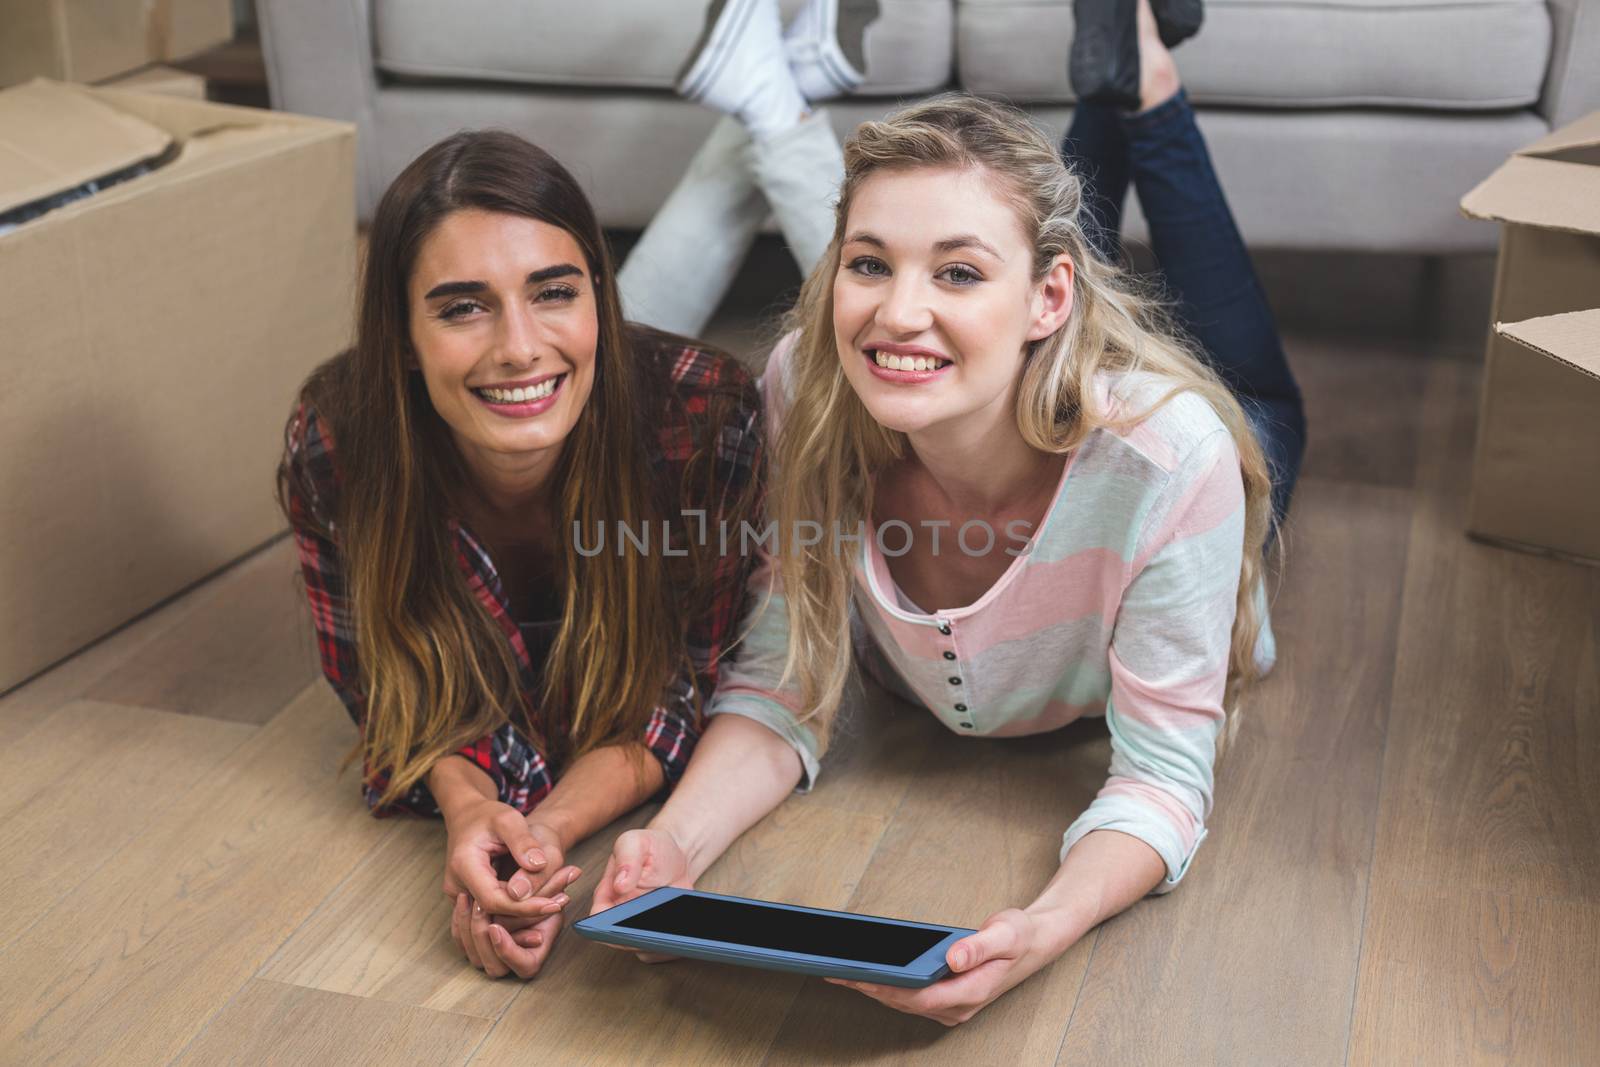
(1208, 274)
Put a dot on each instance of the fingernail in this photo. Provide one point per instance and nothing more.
(518, 887)
(958, 960)
(562, 899)
(494, 935)
(535, 859)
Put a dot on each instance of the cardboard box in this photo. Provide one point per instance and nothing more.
(1536, 470)
(168, 81)
(154, 337)
(91, 40)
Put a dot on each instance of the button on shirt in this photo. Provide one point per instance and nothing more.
(1122, 605)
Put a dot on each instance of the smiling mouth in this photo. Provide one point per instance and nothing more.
(891, 361)
(522, 395)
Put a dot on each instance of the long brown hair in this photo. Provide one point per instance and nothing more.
(830, 447)
(437, 671)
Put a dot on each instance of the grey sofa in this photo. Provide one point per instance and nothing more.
(1334, 124)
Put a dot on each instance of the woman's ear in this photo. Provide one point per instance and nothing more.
(1052, 300)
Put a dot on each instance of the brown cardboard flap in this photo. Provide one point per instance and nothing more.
(54, 138)
(1557, 194)
(1572, 339)
(1584, 133)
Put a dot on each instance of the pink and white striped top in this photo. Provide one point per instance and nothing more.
(1123, 606)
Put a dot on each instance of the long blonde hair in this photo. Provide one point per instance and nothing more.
(830, 448)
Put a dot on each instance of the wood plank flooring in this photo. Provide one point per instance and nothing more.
(1401, 868)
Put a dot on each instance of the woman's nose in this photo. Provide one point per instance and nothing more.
(518, 339)
(905, 308)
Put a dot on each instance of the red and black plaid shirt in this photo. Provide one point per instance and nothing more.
(520, 771)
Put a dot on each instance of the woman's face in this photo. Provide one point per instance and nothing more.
(934, 302)
(504, 326)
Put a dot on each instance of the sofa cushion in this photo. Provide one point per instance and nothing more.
(1436, 54)
(637, 44)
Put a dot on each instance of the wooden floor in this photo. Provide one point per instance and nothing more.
(1403, 867)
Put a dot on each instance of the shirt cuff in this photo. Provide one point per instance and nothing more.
(1134, 819)
(670, 737)
(781, 721)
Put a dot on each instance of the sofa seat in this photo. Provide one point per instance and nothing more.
(1440, 55)
(623, 44)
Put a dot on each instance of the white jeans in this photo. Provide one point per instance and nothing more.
(689, 254)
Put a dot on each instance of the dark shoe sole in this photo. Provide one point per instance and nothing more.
(1104, 66)
(1178, 20)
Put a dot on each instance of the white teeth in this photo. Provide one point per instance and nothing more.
(522, 394)
(912, 363)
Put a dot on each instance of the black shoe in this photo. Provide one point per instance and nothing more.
(1178, 20)
(1104, 67)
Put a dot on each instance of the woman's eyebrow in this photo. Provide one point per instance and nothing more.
(944, 247)
(543, 274)
(966, 240)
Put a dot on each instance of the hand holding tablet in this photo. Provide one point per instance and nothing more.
(782, 937)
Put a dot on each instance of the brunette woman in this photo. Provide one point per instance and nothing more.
(449, 481)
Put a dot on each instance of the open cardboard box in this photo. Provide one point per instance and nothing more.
(1536, 471)
(154, 334)
(90, 40)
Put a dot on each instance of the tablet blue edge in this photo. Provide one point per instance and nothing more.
(924, 970)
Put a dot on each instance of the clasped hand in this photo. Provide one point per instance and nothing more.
(505, 874)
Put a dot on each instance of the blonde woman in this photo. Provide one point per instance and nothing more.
(963, 364)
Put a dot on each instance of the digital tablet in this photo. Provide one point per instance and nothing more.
(779, 937)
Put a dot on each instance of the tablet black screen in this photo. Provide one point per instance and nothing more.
(788, 931)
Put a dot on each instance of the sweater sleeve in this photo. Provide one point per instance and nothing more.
(749, 685)
(1169, 661)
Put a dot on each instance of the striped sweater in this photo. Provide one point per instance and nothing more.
(1123, 605)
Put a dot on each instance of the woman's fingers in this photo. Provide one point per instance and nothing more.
(630, 855)
(512, 826)
(486, 889)
(462, 930)
(490, 959)
(605, 890)
(523, 961)
(998, 939)
(525, 951)
(531, 858)
(560, 881)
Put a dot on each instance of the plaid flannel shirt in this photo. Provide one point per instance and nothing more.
(521, 773)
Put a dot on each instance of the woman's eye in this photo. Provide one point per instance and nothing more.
(451, 312)
(961, 276)
(872, 268)
(557, 293)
